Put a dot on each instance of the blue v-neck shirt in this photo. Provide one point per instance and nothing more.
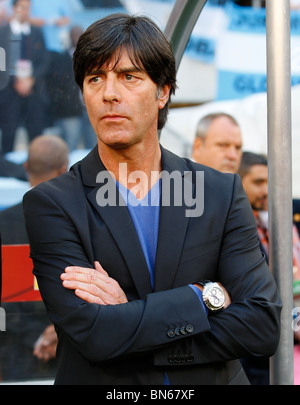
(145, 217)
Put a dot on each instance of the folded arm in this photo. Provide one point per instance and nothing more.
(96, 287)
(95, 329)
(249, 326)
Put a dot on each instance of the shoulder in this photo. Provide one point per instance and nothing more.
(212, 177)
(36, 32)
(65, 188)
(14, 209)
(12, 225)
(4, 31)
(61, 187)
(4, 28)
(13, 213)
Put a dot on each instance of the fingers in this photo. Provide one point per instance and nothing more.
(45, 346)
(83, 270)
(93, 285)
(92, 299)
(86, 279)
(87, 285)
(99, 268)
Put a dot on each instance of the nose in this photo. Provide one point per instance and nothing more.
(265, 189)
(232, 152)
(111, 90)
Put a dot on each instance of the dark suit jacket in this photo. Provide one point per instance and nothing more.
(0, 270)
(25, 321)
(296, 213)
(64, 93)
(38, 56)
(134, 343)
(12, 226)
(11, 169)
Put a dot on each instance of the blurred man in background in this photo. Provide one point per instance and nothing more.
(28, 347)
(218, 142)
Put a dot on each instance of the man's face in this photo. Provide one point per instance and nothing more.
(123, 104)
(256, 186)
(22, 10)
(222, 147)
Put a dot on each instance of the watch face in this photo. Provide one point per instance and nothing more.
(213, 296)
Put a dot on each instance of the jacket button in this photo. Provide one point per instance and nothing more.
(177, 331)
(183, 358)
(190, 328)
(190, 358)
(171, 333)
(183, 331)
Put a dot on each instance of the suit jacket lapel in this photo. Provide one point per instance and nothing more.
(120, 225)
(172, 226)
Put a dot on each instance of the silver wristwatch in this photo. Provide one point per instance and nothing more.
(213, 295)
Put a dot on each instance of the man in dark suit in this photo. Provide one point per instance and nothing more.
(296, 213)
(24, 352)
(23, 98)
(127, 261)
(254, 174)
(0, 269)
(48, 157)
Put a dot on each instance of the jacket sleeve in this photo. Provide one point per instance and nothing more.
(40, 55)
(250, 326)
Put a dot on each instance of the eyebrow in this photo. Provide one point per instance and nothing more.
(129, 69)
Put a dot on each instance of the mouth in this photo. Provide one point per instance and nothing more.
(113, 117)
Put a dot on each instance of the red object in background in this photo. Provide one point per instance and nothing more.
(18, 282)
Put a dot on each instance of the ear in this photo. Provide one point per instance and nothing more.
(163, 96)
(197, 145)
(63, 169)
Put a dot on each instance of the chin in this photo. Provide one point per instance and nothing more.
(116, 141)
(228, 169)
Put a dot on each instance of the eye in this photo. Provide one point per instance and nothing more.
(128, 77)
(94, 79)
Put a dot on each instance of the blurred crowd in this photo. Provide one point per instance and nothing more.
(38, 93)
(37, 89)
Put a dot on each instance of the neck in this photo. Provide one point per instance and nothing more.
(137, 167)
(20, 20)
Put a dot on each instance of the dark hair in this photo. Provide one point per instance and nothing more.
(15, 2)
(250, 159)
(147, 47)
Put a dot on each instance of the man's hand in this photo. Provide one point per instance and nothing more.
(45, 347)
(93, 285)
(24, 86)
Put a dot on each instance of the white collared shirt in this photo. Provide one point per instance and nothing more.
(20, 28)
